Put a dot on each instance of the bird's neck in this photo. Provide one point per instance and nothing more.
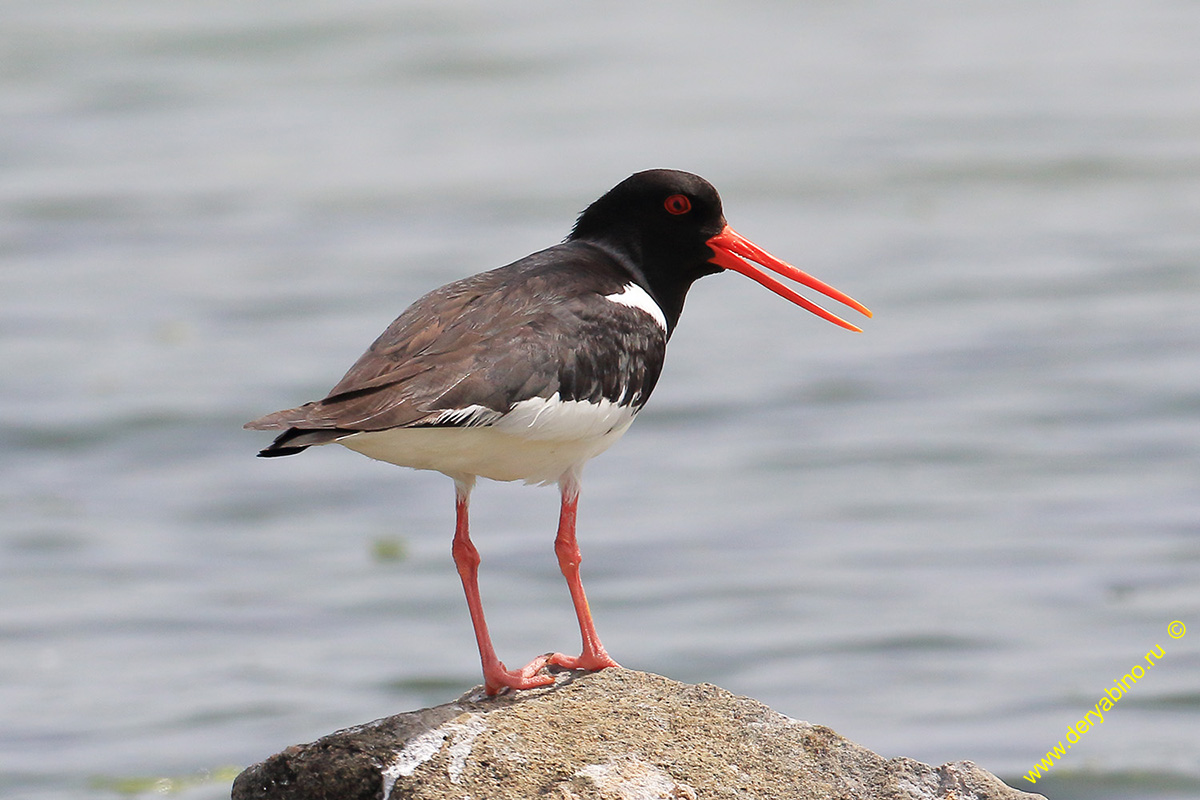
(660, 282)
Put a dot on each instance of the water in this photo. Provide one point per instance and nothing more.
(944, 537)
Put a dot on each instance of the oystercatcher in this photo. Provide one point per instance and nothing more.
(527, 371)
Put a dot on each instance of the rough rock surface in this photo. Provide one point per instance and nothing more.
(611, 735)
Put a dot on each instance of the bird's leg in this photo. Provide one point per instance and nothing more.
(566, 548)
(495, 676)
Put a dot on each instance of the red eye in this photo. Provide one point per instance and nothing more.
(677, 204)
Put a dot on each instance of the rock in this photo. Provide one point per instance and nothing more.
(611, 735)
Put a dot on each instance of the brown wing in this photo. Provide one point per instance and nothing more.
(482, 344)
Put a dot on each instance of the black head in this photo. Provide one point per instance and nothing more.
(660, 220)
(668, 228)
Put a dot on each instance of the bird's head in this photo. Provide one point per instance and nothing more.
(670, 229)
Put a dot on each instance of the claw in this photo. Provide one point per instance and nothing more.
(496, 678)
(592, 662)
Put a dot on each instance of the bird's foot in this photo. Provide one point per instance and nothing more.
(496, 678)
(592, 661)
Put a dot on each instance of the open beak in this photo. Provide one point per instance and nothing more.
(730, 248)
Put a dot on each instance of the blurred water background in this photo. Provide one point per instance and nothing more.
(944, 537)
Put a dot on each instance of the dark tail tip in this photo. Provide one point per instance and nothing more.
(273, 451)
(296, 440)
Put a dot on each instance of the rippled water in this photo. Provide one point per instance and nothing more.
(944, 537)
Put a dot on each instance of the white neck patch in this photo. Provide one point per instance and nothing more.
(635, 296)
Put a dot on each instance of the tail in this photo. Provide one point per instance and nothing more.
(295, 438)
(276, 450)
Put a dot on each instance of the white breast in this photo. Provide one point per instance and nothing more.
(537, 442)
(553, 418)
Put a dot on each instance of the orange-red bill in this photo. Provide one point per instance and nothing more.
(730, 248)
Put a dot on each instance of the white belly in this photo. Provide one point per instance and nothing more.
(538, 441)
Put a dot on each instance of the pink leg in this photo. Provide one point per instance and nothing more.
(466, 558)
(566, 548)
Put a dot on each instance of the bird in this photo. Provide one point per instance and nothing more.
(527, 371)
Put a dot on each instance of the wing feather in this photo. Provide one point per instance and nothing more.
(486, 342)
